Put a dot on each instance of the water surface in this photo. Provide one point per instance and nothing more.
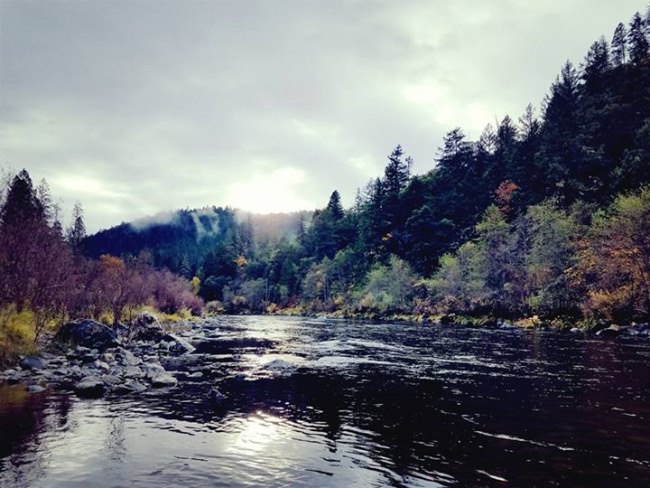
(335, 403)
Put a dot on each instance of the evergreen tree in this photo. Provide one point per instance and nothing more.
(334, 206)
(597, 61)
(77, 231)
(637, 40)
(619, 45)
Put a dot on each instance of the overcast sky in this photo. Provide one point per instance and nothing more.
(141, 106)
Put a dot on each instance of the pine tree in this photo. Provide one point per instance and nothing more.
(619, 45)
(637, 40)
(334, 206)
(597, 60)
(77, 230)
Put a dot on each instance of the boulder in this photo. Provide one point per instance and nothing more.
(32, 363)
(146, 327)
(89, 334)
(90, 386)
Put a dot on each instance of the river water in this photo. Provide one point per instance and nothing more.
(335, 403)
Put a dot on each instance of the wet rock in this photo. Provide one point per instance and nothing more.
(34, 389)
(638, 330)
(32, 363)
(611, 331)
(279, 366)
(88, 333)
(178, 345)
(163, 379)
(90, 386)
(575, 330)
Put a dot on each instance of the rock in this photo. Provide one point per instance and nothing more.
(34, 389)
(611, 331)
(153, 369)
(146, 328)
(90, 386)
(133, 372)
(127, 358)
(88, 333)
(111, 380)
(102, 365)
(32, 363)
(130, 387)
(178, 345)
(279, 366)
(163, 379)
(108, 357)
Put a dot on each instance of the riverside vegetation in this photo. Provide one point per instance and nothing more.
(544, 220)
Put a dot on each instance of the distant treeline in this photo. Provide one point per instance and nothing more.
(547, 215)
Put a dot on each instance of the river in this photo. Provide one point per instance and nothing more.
(335, 403)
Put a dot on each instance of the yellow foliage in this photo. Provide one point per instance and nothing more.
(241, 261)
(16, 334)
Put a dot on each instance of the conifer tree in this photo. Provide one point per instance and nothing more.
(637, 40)
(619, 45)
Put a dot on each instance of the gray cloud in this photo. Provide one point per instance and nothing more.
(142, 106)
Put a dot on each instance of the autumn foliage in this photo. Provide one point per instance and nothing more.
(44, 272)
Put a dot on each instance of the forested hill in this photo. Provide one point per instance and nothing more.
(501, 224)
(180, 240)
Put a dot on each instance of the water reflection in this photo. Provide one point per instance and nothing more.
(342, 404)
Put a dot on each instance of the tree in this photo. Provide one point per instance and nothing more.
(334, 206)
(619, 45)
(597, 61)
(77, 231)
(388, 288)
(637, 40)
(613, 267)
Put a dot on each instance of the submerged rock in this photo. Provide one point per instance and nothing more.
(89, 334)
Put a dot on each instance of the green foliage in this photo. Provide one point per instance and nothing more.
(388, 289)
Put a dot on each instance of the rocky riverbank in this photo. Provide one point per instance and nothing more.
(93, 359)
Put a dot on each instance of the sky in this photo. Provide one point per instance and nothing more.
(136, 107)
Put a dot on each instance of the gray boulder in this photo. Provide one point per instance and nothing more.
(32, 363)
(146, 327)
(88, 333)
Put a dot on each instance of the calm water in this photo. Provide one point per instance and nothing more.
(342, 404)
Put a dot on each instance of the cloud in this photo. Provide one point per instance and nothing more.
(263, 105)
